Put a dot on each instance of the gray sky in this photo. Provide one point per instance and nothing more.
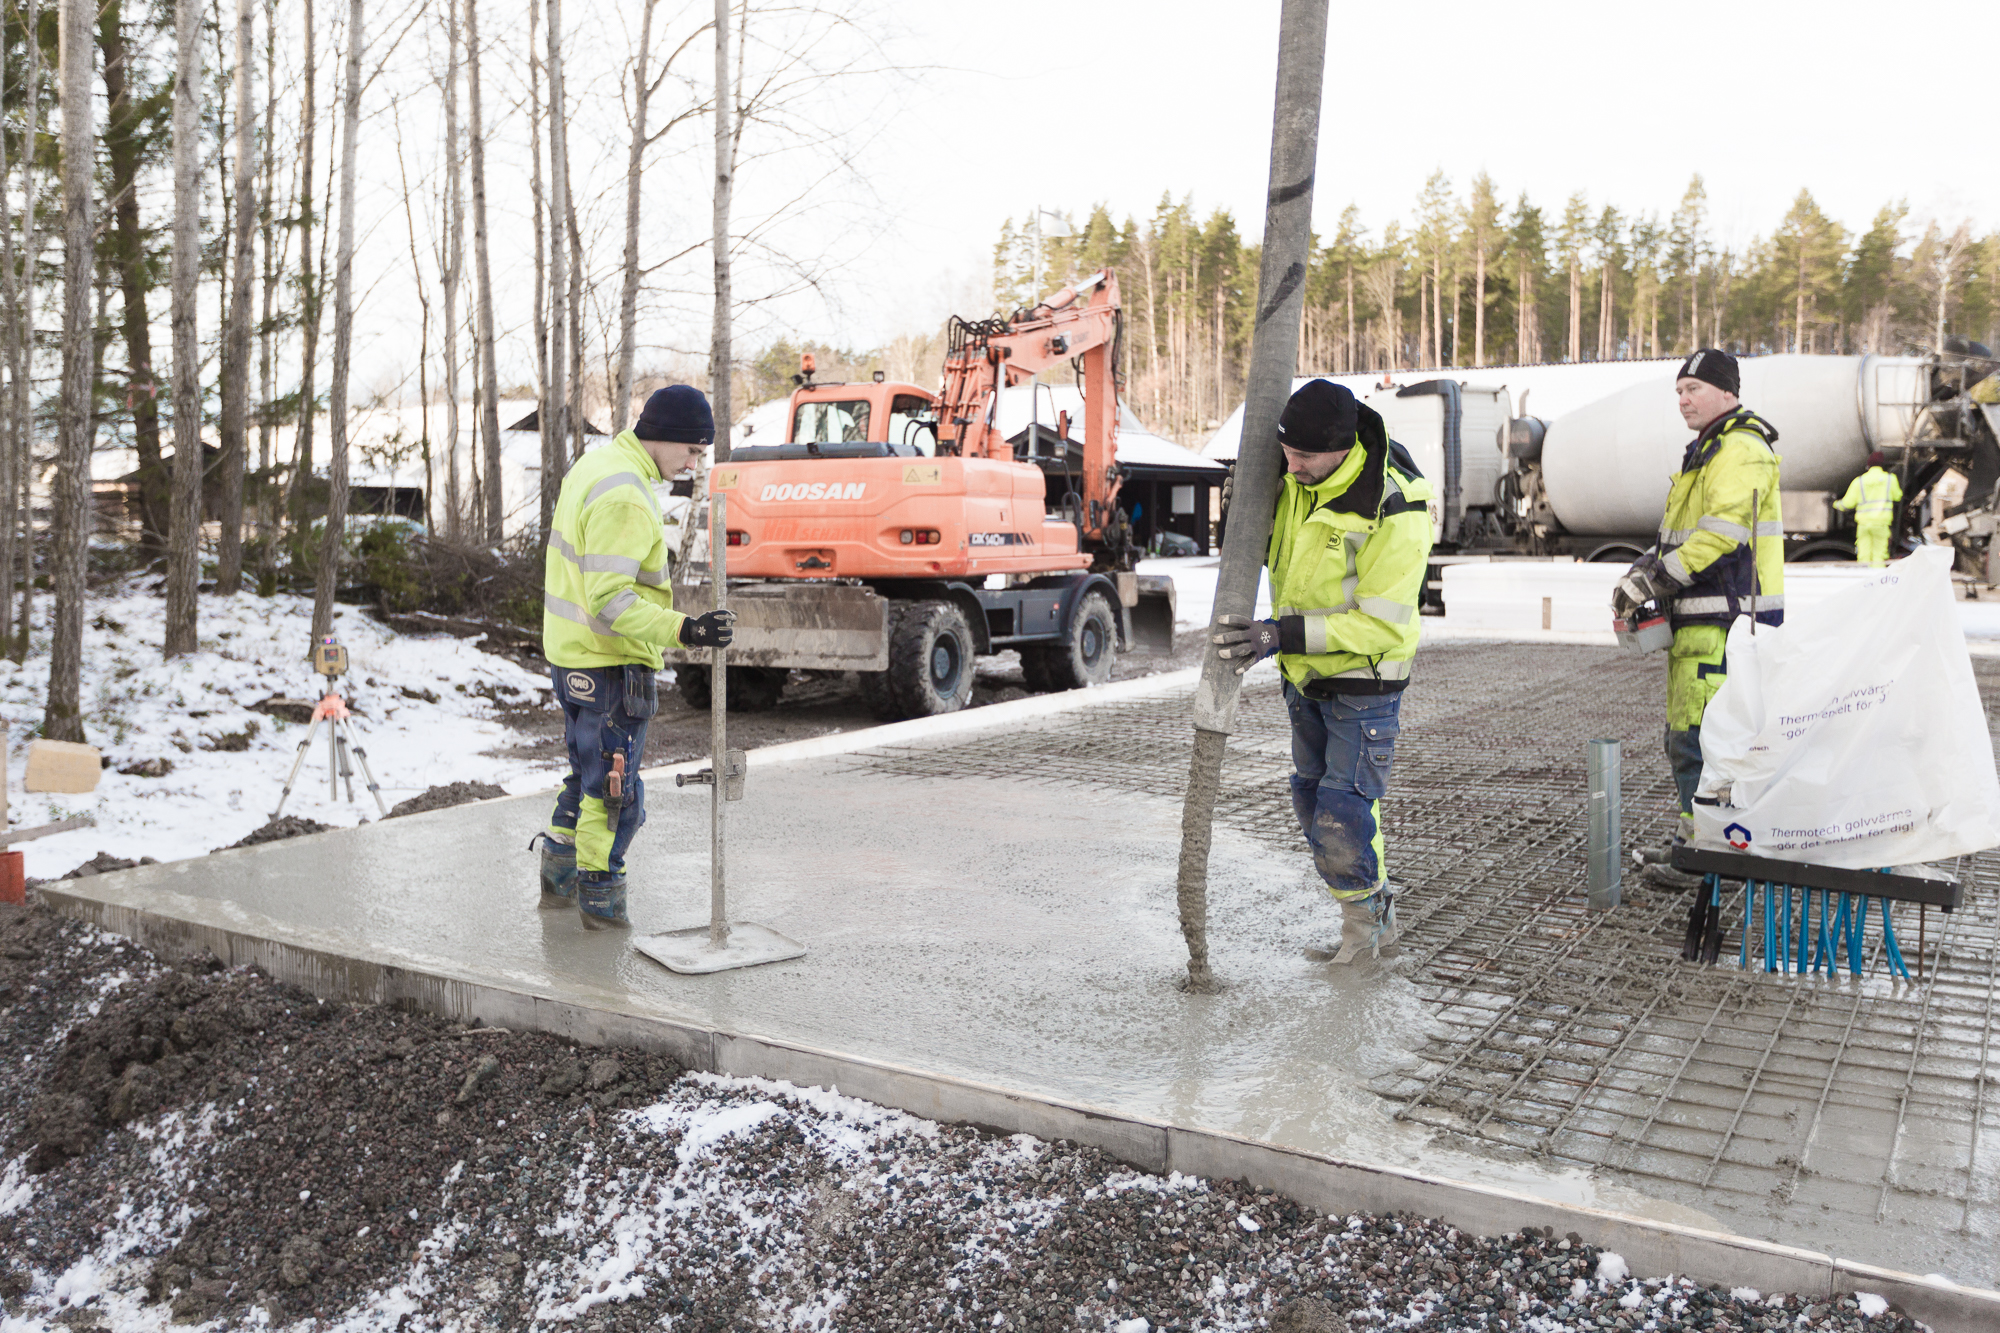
(1065, 103)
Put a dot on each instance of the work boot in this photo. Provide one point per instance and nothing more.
(1366, 923)
(1663, 876)
(558, 872)
(600, 900)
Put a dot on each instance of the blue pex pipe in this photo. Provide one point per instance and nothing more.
(1823, 949)
(1743, 940)
(1785, 933)
(1770, 927)
(1889, 946)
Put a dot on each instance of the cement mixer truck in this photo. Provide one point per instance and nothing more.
(1589, 482)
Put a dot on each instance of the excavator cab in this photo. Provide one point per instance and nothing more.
(842, 420)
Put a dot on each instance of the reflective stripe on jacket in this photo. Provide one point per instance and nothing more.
(606, 599)
(1349, 556)
(1705, 536)
(1873, 496)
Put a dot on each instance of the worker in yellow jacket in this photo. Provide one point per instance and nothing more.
(1873, 496)
(607, 611)
(1350, 544)
(1721, 554)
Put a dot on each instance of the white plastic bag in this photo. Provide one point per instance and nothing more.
(1853, 735)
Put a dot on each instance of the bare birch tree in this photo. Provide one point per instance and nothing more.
(450, 271)
(555, 392)
(272, 266)
(309, 283)
(20, 561)
(488, 376)
(236, 336)
(551, 438)
(184, 529)
(343, 339)
(720, 354)
(63, 719)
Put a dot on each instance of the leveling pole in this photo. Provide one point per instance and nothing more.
(720, 945)
(718, 728)
(1274, 352)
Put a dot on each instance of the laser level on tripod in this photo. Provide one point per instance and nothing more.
(329, 659)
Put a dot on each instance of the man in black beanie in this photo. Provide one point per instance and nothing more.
(1721, 555)
(1350, 544)
(607, 610)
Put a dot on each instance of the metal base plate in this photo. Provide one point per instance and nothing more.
(689, 952)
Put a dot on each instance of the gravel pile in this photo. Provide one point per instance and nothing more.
(277, 830)
(446, 796)
(198, 1144)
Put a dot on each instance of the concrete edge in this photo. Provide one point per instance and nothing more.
(965, 720)
(1331, 1185)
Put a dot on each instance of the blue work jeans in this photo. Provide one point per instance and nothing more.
(604, 715)
(1342, 749)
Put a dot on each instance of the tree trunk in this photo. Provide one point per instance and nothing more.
(13, 433)
(184, 532)
(123, 152)
(21, 483)
(1575, 310)
(236, 336)
(720, 354)
(309, 293)
(488, 375)
(635, 166)
(266, 335)
(454, 265)
(70, 544)
(343, 341)
(1479, 309)
(555, 390)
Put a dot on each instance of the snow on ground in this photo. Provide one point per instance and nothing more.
(424, 710)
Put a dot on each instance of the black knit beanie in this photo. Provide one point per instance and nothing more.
(1712, 367)
(677, 414)
(1319, 419)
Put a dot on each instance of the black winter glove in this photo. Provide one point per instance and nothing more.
(1647, 581)
(710, 629)
(1254, 640)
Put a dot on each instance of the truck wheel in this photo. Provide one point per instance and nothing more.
(692, 682)
(876, 696)
(930, 660)
(1084, 657)
(755, 689)
(1035, 668)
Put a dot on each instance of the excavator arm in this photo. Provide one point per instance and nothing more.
(1079, 322)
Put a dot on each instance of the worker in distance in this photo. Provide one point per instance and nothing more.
(1721, 555)
(1350, 543)
(607, 611)
(1873, 496)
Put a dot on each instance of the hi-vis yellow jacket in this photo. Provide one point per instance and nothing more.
(1727, 489)
(1349, 555)
(606, 600)
(1873, 496)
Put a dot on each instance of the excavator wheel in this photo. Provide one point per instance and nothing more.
(1084, 657)
(692, 682)
(1035, 668)
(755, 689)
(930, 660)
(751, 689)
(876, 696)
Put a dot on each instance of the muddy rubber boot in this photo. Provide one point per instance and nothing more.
(1366, 923)
(558, 873)
(600, 900)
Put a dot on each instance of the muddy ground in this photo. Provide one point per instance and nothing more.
(813, 704)
(187, 1143)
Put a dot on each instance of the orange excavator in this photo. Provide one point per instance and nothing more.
(900, 533)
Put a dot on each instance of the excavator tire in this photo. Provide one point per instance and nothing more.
(931, 660)
(876, 695)
(1084, 657)
(755, 689)
(692, 682)
(1035, 668)
(751, 689)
